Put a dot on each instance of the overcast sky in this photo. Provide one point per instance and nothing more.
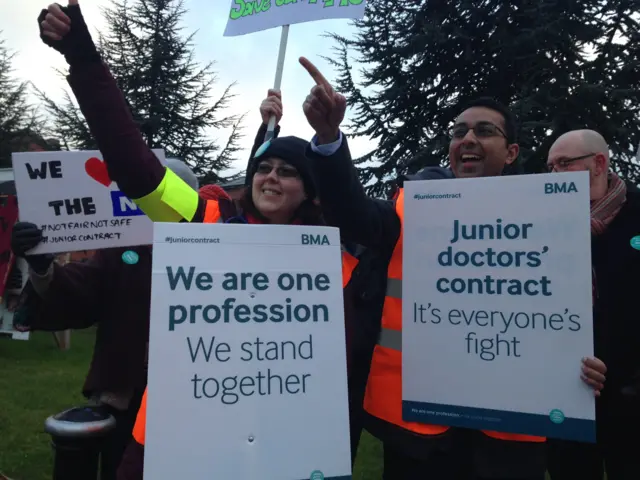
(249, 60)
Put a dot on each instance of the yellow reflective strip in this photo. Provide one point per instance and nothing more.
(172, 201)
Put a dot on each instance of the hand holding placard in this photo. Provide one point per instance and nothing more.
(323, 107)
(271, 107)
(26, 236)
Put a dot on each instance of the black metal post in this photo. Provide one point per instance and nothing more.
(77, 435)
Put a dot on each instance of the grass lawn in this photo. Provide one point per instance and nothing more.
(37, 380)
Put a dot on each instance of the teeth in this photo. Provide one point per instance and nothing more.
(270, 192)
(470, 157)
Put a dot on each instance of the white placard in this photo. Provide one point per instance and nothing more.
(497, 304)
(71, 197)
(249, 16)
(264, 303)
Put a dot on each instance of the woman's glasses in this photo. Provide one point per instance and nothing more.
(283, 171)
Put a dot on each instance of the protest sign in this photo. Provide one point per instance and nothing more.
(247, 361)
(71, 197)
(497, 299)
(249, 16)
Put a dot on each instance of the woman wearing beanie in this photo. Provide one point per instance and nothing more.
(280, 188)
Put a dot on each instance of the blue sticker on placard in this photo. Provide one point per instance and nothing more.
(316, 475)
(556, 416)
(130, 257)
(635, 242)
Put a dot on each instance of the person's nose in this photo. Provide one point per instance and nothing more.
(273, 175)
(470, 138)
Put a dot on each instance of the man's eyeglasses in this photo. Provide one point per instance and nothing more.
(564, 163)
(282, 171)
(480, 130)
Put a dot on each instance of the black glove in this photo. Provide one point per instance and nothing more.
(24, 237)
(77, 46)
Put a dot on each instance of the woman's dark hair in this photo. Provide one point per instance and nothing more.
(308, 213)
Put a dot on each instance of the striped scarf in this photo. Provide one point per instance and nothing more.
(604, 210)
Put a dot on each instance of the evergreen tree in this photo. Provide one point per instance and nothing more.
(558, 65)
(169, 94)
(18, 119)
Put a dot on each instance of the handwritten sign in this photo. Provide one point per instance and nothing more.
(497, 304)
(70, 196)
(249, 16)
(247, 353)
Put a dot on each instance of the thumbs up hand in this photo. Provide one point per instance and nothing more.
(323, 107)
(64, 30)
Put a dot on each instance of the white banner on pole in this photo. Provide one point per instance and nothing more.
(70, 196)
(249, 16)
(247, 360)
(497, 304)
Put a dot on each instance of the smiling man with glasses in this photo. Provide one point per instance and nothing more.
(483, 140)
(482, 143)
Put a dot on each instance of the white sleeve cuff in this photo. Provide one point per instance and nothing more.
(328, 149)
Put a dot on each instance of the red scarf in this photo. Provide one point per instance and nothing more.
(604, 210)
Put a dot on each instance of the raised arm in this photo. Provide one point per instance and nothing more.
(369, 222)
(160, 193)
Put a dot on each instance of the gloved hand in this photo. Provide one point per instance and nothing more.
(64, 30)
(24, 237)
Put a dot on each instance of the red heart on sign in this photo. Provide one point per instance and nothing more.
(97, 170)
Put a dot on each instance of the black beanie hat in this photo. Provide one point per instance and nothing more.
(291, 150)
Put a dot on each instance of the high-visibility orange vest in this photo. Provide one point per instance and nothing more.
(383, 397)
(212, 215)
(212, 212)
(141, 420)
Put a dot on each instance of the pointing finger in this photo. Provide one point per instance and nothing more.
(324, 97)
(314, 72)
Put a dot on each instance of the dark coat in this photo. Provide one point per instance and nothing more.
(107, 292)
(616, 326)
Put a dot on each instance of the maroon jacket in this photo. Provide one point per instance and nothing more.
(107, 292)
(130, 163)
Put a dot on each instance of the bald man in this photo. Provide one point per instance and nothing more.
(583, 150)
(615, 240)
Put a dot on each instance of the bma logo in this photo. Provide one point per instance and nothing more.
(124, 206)
(315, 239)
(564, 187)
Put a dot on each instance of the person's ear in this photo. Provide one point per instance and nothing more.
(512, 153)
(601, 164)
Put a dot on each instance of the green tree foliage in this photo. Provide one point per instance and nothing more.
(19, 124)
(558, 65)
(170, 95)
